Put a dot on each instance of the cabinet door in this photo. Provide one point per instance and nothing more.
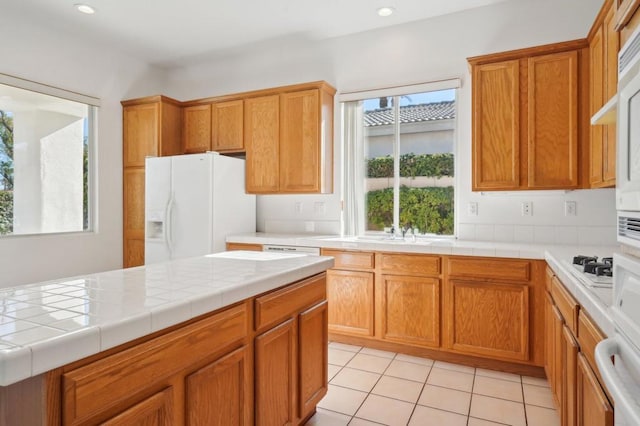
(350, 296)
(300, 141)
(496, 126)
(410, 310)
(197, 128)
(593, 406)
(227, 120)
(220, 393)
(156, 410)
(141, 127)
(569, 392)
(558, 341)
(596, 91)
(549, 339)
(489, 319)
(262, 136)
(611, 47)
(553, 121)
(133, 216)
(313, 355)
(275, 368)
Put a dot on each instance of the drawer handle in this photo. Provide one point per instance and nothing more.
(623, 397)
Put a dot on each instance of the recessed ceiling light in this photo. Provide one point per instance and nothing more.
(85, 8)
(385, 11)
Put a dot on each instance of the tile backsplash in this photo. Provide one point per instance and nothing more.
(538, 234)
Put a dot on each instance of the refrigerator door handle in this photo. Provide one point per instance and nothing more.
(168, 224)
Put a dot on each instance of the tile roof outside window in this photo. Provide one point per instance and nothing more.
(411, 113)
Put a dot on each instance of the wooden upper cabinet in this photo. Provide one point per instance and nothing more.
(596, 96)
(627, 18)
(227, 126)
(496, 126)
(197, 128)
(527, 121)
(299, 141)
(604, 43)
(141, 125)
(553, 121)
(262, 135)
(151, 127)
(289, 141)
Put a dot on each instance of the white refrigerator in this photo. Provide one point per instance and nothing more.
(192, 202)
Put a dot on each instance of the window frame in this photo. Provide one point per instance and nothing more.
(93, 105)
(396, 92)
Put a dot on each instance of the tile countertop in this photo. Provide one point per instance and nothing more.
(595, 301)
(50, 324)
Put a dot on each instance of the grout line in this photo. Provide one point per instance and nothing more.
(524, 407)
(473, 385)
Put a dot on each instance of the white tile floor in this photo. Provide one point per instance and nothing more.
(372, 387)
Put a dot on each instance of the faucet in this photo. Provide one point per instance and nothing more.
(406, 229)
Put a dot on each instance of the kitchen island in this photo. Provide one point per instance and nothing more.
(216, 339)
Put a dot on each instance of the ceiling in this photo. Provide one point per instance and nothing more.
(169, 32)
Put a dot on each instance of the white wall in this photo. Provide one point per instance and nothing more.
(417, 52)
(71, 62)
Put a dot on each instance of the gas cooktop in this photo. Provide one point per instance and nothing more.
(591, 272)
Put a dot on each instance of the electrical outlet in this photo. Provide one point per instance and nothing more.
(473, 208)
(570, 208)
(319, 208)
(297, 207)
(527, 208)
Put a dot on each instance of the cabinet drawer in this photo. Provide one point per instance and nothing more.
(588, 336)
(281, 304)
(123, 378)
(409, 264)
(548, 277)
(483, 268)
(351, 259)
(566, 304)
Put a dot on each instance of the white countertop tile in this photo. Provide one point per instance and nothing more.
(50, 324)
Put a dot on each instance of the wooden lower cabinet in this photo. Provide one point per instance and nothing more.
(557, 382)
(227, 368)
(243, 246)
(593, 406)
(314, 358)
(351, 302)
(155, 410)
(219, 393)
(275, 375)
(410, 310)
(488, 319)
(291, 356)
(570, 372)
(570, 367)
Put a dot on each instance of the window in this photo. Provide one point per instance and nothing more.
(45, 159)
(406, 143)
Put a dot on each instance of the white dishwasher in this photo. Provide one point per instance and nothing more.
(312, 251)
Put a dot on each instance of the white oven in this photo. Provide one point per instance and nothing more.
(618, 356)
(628, 143)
